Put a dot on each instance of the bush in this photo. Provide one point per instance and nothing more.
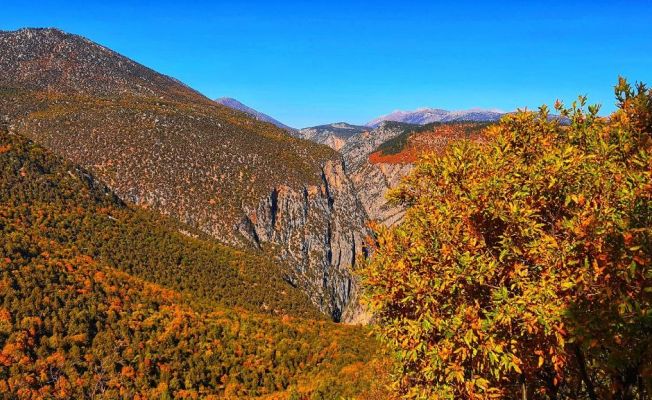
(522, 267)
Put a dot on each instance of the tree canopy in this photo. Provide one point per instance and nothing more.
(522, 267)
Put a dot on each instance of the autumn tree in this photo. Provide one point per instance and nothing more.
(522, 267)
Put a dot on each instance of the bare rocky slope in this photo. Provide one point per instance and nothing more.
(372, 181)
(377, 159)
(163, 146)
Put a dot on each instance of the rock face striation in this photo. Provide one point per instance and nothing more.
(373, 182)
(320, 230)
(161, 145)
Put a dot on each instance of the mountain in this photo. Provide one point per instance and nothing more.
(333, 135)
(377, 160)
(424, 116)
(102, 299)
(52, 61)
(138, 241)
(161, 145)
(236, 105)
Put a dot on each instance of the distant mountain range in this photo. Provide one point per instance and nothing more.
(236, 105)
(424, 116)
(336, 133)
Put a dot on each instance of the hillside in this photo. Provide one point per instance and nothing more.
(158, 144)
(434, 137)
(104, 300)
(68, 205)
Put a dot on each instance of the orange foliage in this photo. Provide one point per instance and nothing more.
(435, 140)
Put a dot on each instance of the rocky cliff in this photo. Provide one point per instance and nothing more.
(372, 181)
(334, 135)
(319, 230)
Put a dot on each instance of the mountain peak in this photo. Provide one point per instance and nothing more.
(229, 100)
(49, 59)
(238, 105)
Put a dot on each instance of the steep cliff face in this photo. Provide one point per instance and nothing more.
(319, 230)
(372, 181)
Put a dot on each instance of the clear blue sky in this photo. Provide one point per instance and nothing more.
(311, 62)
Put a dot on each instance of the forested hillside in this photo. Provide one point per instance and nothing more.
(101, 300)
(66, 204)
(414, 141)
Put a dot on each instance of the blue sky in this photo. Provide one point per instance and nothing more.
(312, 62)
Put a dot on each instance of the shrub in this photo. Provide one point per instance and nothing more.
(522, 267)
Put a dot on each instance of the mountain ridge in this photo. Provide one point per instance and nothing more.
(238, 105)
(37, 68)
(425, 115)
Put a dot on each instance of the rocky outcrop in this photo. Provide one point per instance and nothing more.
(318, 230)
(334, 135)
(373, 181)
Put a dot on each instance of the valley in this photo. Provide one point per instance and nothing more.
(162, 242)
(195, 210)
(163, 146)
